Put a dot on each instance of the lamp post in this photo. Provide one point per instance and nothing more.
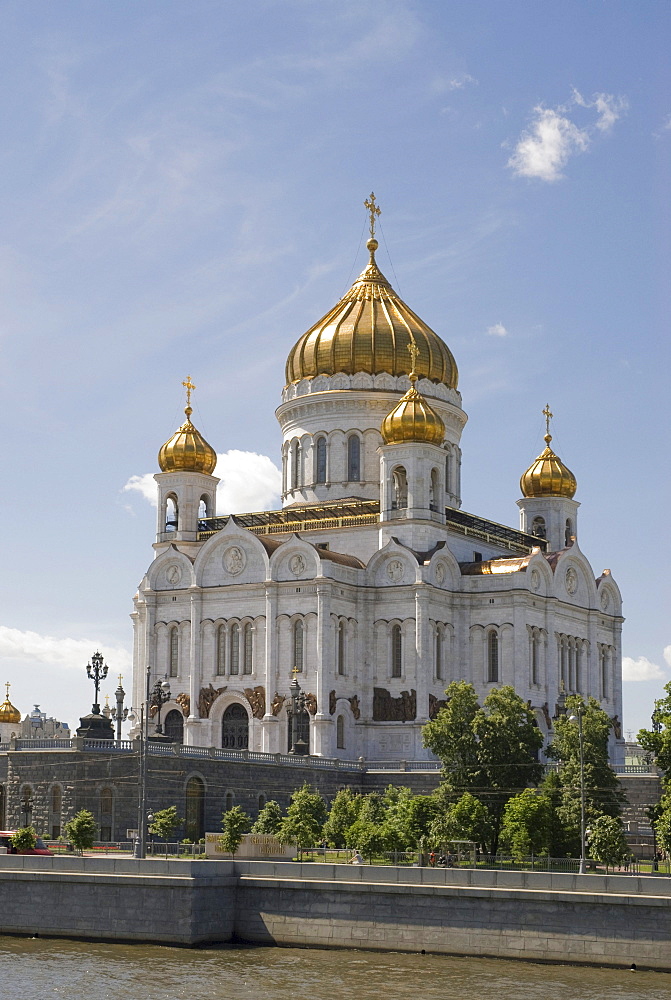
(140, 846)
(578, 717)
(96, 671)
(119, 714)
(298, 746)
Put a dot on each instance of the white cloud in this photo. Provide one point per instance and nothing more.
(667, 654)
(545, 147)
(664, 127)
(498, 330)
(552, 138)
(18, 645)
(459, 82)
(643, 669)
(249, 482)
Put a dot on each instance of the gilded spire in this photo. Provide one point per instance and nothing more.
(7, 711)
(547, 476)
(187, 450)
(413, 419)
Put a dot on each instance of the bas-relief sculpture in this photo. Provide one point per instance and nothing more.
(207, 698)
(386, 708)
(257, 699)
(435, 705)
(276, 704)
(184, 702)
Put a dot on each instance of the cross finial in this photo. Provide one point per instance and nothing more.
(120, 679)
(414, 353)
(373, 210)
(7, 687)
(294, 672)
(189, 386)
(548, 415)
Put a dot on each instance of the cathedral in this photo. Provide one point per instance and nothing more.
(371, 588)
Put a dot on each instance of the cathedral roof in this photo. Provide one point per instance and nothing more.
(547, 476)
(187, 450)
(370, 330)
(8, 713)
(413, 419)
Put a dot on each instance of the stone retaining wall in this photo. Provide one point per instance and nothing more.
(599, 919)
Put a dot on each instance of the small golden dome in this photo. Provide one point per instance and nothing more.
(370, 330)
(547, 476)
(7, 711)
(412, 419)
(187, 450)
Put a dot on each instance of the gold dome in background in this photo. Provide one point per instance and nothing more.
(7, 711)
(187, 450)
(370, 330)
(547, 476)
(412, 419)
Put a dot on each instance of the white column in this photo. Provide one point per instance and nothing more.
(423, 665)
(322, 724)
(269, 724)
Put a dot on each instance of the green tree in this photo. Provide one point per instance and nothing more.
(558, 836)
(368, 837)
(526, 823)
(465, 819)
(305, 818)
(603, 796)
(165, 822)
(269, 819)
(235, 823)
(607, 843)
(82, 830)
(343, 812)
(24, 839)
(657, 741)
(489, 751)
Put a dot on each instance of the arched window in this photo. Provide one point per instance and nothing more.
(55, 811)
(563, 672)
(448, 464)
(396, 651)
(247, 649)
(340, 652)
(353, 459)
(299, 645)
(228, 801)
(173, 726)
(221, 650)
(433, 490)
(26, 805)
(171, 514)
(535, 641)
(284, 471)
(439, 655)
(400, 486)
(262, 801)
(538, 527)
(195, 809)
(340, 732)
(234, 658)
(295, 462)
(235, 728)
(320, 461)
(492, 658)
(106, 823)
(173, 652)
(568, 533)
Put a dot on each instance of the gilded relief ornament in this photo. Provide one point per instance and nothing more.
(184, 702)
(571, 581)
(257, 700)
(234, 560)
(276, 704)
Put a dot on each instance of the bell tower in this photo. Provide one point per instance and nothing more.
(547, 507)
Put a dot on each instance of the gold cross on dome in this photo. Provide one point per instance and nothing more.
(7, 687)
(548, 417)
(373, 210)
(189, 386)
(120, 679)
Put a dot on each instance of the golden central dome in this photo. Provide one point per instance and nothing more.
(187, 450)
(370, 330)
(412, 419)
(547, 476)
(7, 711)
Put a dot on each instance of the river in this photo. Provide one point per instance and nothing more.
(39, 969)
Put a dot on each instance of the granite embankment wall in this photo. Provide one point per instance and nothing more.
(606, 920)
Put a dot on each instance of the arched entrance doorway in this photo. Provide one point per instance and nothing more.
(174, 726)
(235, 728)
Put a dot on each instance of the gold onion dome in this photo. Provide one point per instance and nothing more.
(547, 476)
(370, 330)
(8, 713)
(187, 450)
(413, 419)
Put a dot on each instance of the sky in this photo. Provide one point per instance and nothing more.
(182, 193)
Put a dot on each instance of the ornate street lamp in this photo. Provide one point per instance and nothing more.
(160, 696)
(119, 714)
(297, 711)
(96, 671)
(578, 717)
